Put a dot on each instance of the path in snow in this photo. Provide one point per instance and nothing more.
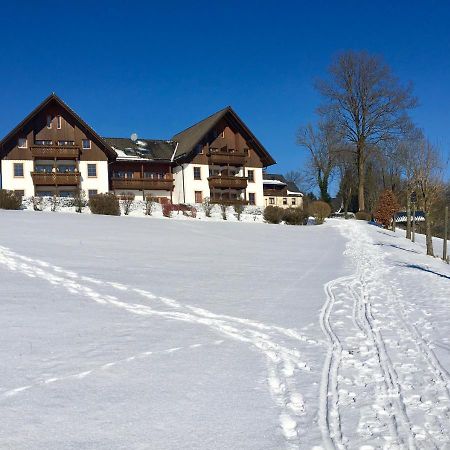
(278, 345)
(380, 363)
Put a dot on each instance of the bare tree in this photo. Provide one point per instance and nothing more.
(323, 144)
(367, 103)
(428, 180)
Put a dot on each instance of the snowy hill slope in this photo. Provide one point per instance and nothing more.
(176, 334)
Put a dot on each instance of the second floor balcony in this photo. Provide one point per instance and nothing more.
(227, 182)
(163, 183)
(55, 178)
(55, 151)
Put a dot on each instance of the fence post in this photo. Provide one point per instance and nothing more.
(444, 249)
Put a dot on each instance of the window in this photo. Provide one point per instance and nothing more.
(66, 168)
(69, 143)
(222, 134)
(43, 142)
(197, 173)
(20, 192)
(43, 168)
(92, 192)
(49, 121)
(251, 198)
(199, 149)
(92, 170)
(198, 197)
(251, 176)
(18, 169)
(66, 194)
(271, 200)
(22, 143)
(246, 151)
(58, 122)
(284, 201)
(293, 201)
(86, 144)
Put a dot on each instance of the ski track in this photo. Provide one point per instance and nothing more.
(80, 375)
(283, 362)
(376, 350)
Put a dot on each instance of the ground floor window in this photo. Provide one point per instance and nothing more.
(284, 201)
(251, 198)
(20, 192)
(271, 200)
(92, 192)
(198, 197)
(66, 193)
(293, 201)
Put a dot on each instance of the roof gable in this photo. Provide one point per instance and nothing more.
(54, 98)
(151, 149)
(190, 137)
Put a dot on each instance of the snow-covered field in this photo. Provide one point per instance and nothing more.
(125, 333)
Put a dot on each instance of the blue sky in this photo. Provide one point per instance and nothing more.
(157, 67)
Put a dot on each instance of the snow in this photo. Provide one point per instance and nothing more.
(123, 332)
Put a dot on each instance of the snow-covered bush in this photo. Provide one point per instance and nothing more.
(167, 209)
(127, 201)
(38, 203)
(238, 210)
(207, 206)
(223, 210)
(149, 205)
(107, 204)
(10, 200)
(79, 200)
(273, 214)
(320, 211)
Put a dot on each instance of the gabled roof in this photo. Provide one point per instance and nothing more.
(152, 149)
(275, 178)
(54, 98)
(190, 137)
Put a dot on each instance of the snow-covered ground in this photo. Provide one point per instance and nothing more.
(136, 334)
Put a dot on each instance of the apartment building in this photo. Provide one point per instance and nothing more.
(54, 152)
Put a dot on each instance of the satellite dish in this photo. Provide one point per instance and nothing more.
(134, 137)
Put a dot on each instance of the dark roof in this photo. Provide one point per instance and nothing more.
(54, 98)
(190, 137)
(154, 148)
(291, 186)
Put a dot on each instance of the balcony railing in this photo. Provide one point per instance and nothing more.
(228, 201)
(227, 182)
(232, 158)
(55, 179)
(55, 151)
(158, 184)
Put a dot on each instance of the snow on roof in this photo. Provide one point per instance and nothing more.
(122, 156)
(273, 182)
(299, 194)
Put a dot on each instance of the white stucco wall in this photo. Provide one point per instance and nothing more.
(190, 185)
(100, 182)
(256, 187)
(12, 183)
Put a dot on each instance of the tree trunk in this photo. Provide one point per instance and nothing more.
(323, 187)
(361, 177)
(429, 236)
(408, 214)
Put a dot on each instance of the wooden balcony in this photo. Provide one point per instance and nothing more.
(55, 179)
(140, 184)
(275, 192)
(55, 151)
(227, 182)
(231, 158)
